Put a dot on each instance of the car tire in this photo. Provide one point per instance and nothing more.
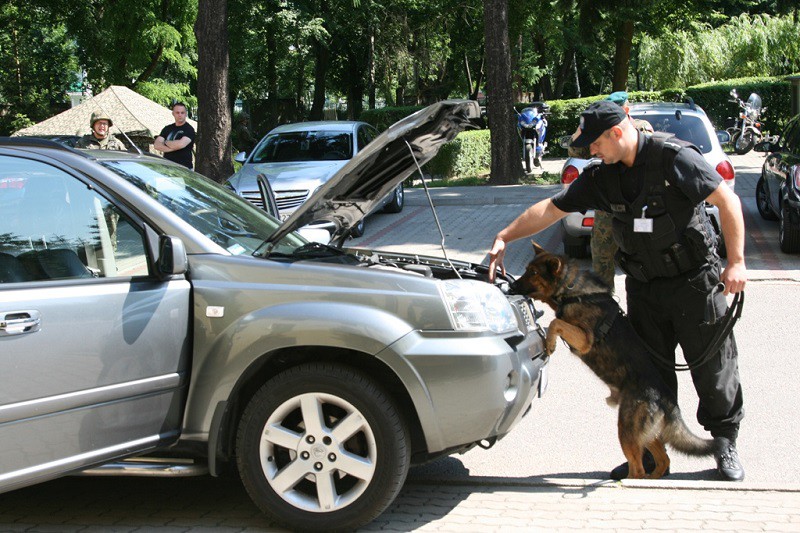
(789, 233)
(576, 247)
(398, 200)
(762, 201)
(328, 422)
(358, 229)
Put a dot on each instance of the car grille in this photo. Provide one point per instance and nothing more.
(525, 312)
(290, 200)
(254, 197)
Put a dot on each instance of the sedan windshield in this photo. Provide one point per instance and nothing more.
(685, 127)
(218, 213)
(305, 146)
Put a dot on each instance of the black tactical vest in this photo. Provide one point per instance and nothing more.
(682, 239)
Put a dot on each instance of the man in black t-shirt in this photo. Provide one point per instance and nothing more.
(177, 140)
(655, 188)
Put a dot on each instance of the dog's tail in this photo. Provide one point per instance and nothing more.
(678, 435)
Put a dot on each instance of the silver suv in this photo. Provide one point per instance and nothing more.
(146, 310)
(687, 122)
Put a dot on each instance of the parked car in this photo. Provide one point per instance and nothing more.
(686, 121)
(778, 188)
(299, 158)
(146, 310)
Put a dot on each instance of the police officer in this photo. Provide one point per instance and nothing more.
(100, 138)
(655, 187)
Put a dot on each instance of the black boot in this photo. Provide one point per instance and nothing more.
(648, 462)
(728, 464)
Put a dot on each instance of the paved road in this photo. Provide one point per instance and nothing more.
(551, 472)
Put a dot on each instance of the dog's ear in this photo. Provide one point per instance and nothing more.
(554, 265)
(537, 250)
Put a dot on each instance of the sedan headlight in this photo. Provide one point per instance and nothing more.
(477, 306)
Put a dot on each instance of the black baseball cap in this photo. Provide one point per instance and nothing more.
(597, 118)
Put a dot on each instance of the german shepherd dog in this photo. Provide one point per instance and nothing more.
(592, 324)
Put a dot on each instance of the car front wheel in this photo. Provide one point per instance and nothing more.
(762, 201)
(398, 200)
(789, 232)
(322, 447)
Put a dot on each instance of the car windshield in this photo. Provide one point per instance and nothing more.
(210, 208)
(318, 145)
(685, 127)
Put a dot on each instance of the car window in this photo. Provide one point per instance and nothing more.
(55, 227)
(317, 145)
(365, 136)
(221, 215)
(685, 127)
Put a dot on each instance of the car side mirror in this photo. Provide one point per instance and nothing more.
(723, 136)
(565, 141)
(172, 260)
(241, 157)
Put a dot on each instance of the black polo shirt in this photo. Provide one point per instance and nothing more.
(691, 174)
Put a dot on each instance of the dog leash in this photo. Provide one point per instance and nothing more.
(724, 328)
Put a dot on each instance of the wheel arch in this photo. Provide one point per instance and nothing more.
(223, 435)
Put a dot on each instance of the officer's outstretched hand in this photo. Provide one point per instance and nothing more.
(496, 258)
(734, 277)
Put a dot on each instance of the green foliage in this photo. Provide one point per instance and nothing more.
(757, 45)
(466, 156)
(386, 116)
(775, 93)
(165, 93)
(37, 64)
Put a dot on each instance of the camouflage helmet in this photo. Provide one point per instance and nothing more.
(99, 115)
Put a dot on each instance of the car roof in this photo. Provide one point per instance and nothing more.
(667, 108)
(335, 125)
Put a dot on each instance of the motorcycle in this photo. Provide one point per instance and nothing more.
(532, 128)
(746, 131)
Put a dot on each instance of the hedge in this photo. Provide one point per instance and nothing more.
(466, 156)
(471, 149)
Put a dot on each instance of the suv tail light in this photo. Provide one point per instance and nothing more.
(569, 174)
(725, 169)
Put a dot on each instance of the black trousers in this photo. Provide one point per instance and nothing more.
(668, 312)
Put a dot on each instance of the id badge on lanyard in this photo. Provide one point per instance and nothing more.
(644, 224)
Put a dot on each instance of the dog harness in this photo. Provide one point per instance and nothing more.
(602, 300)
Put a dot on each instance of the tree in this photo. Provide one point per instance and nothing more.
(37, 64)
(214, 117)
(506, 160)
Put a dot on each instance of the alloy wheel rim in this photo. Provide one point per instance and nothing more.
(318, 452)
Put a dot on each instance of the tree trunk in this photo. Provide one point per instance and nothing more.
(506, 158)
(214, 110)
(272, 80)
(322, 55)
(622, 56)
(371, 68)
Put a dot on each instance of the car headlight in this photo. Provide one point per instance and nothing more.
(477, 306)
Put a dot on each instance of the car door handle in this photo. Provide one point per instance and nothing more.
(19, 322)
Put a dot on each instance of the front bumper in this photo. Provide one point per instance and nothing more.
(470, 387)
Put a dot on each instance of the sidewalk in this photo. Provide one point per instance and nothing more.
(598, 506)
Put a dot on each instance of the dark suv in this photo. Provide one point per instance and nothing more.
(778, 189)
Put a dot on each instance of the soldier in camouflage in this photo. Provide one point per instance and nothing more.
(602, 243)
(100, 138)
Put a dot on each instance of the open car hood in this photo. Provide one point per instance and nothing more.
(376, 170)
